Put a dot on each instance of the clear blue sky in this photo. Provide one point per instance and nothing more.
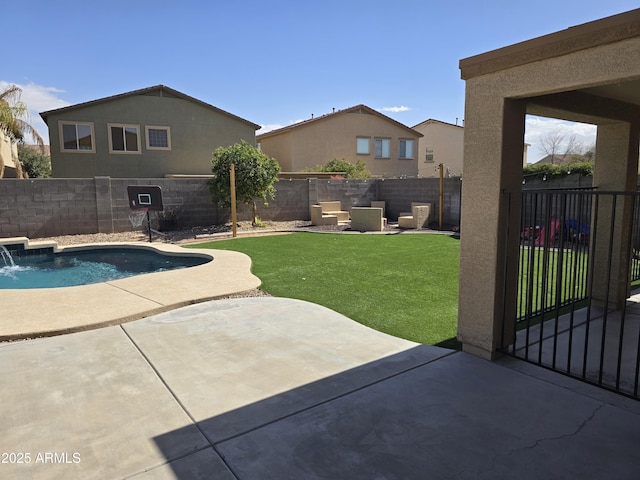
(274, 62)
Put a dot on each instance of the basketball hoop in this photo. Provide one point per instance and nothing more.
(137, 216)
(143, 198)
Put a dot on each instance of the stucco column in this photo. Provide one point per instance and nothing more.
(616, 169)
(493, 149)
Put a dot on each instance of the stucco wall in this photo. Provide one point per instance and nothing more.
(279, 147)
(325, 139)
(8, 151)
(196, 131)
(447, 142)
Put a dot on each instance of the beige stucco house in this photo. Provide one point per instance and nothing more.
(152, 132)
(588, 73)
(8, 154)
(388, 147)
(441, 143)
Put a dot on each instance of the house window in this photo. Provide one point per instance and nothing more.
(362, 146)
(124, 138)
(158, 138)
(77, 137)
(383, 147)
(406, 149)
(429, 155)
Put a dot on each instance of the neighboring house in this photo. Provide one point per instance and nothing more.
(442, 142)
(388, 147)
(561, 159)
(152, 132)
(8, 155)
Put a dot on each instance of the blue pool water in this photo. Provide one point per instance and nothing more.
(83, 267)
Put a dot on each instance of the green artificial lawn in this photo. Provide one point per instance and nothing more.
(403, 285)
(539, 273)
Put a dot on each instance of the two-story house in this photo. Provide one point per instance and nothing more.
(152, 132)
(441, 143)
(388, 147)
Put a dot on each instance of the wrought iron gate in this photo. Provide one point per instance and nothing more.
(578, 253)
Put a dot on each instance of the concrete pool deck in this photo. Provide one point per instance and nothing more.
(274, 388)
(39, 312)
(247, 388)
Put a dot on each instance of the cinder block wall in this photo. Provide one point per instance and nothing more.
(188, 197)
(42, 207)
(399, 193)
(351, 193)
(291, 203)
(48, 207)
(38, 208)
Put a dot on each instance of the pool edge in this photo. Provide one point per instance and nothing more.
(56, 311)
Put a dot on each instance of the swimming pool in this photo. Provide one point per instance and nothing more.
(87, 266)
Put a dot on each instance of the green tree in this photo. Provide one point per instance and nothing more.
(34, 163)
(344, 167)
(12, 121)
(255, 174)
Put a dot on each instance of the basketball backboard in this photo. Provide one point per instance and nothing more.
(145, 196)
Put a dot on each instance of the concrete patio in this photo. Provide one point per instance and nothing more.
(257, 388)
(589, 345)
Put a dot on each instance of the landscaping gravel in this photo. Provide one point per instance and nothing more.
(202, 234)
(188, 235)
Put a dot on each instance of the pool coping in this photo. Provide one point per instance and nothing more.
(30, 313)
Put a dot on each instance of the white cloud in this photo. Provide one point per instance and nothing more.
(268, 128)
(275, 126)
(539, 128)
(401, 108)
(38, 98)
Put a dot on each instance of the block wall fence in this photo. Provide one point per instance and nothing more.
(37, 208)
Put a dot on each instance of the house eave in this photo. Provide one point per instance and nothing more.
(581, 37)
(143, 91)
(315, 120)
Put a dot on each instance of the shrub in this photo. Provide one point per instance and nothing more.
(540, 170)
(345, 168)
(36, 164)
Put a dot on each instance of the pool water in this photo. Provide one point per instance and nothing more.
(83, 267)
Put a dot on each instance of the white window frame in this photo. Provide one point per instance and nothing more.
(360, 142)
(155, 127)
(382, 149)
(125, 151)
(429, 157)
(62, 123)
(406, 141)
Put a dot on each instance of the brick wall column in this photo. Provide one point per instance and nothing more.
(104, 212)
(313, 193)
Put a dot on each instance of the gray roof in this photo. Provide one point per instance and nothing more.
(144, 91)
(305, 123)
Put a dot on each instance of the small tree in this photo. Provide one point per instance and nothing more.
(558, 146)
(341, 165)
(255, 174)
(34, 163)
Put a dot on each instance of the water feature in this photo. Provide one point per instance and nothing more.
(83, 267)
(6, 257)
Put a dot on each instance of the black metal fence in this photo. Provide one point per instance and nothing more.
(577, 257)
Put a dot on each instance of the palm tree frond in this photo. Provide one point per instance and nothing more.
(14, 116)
